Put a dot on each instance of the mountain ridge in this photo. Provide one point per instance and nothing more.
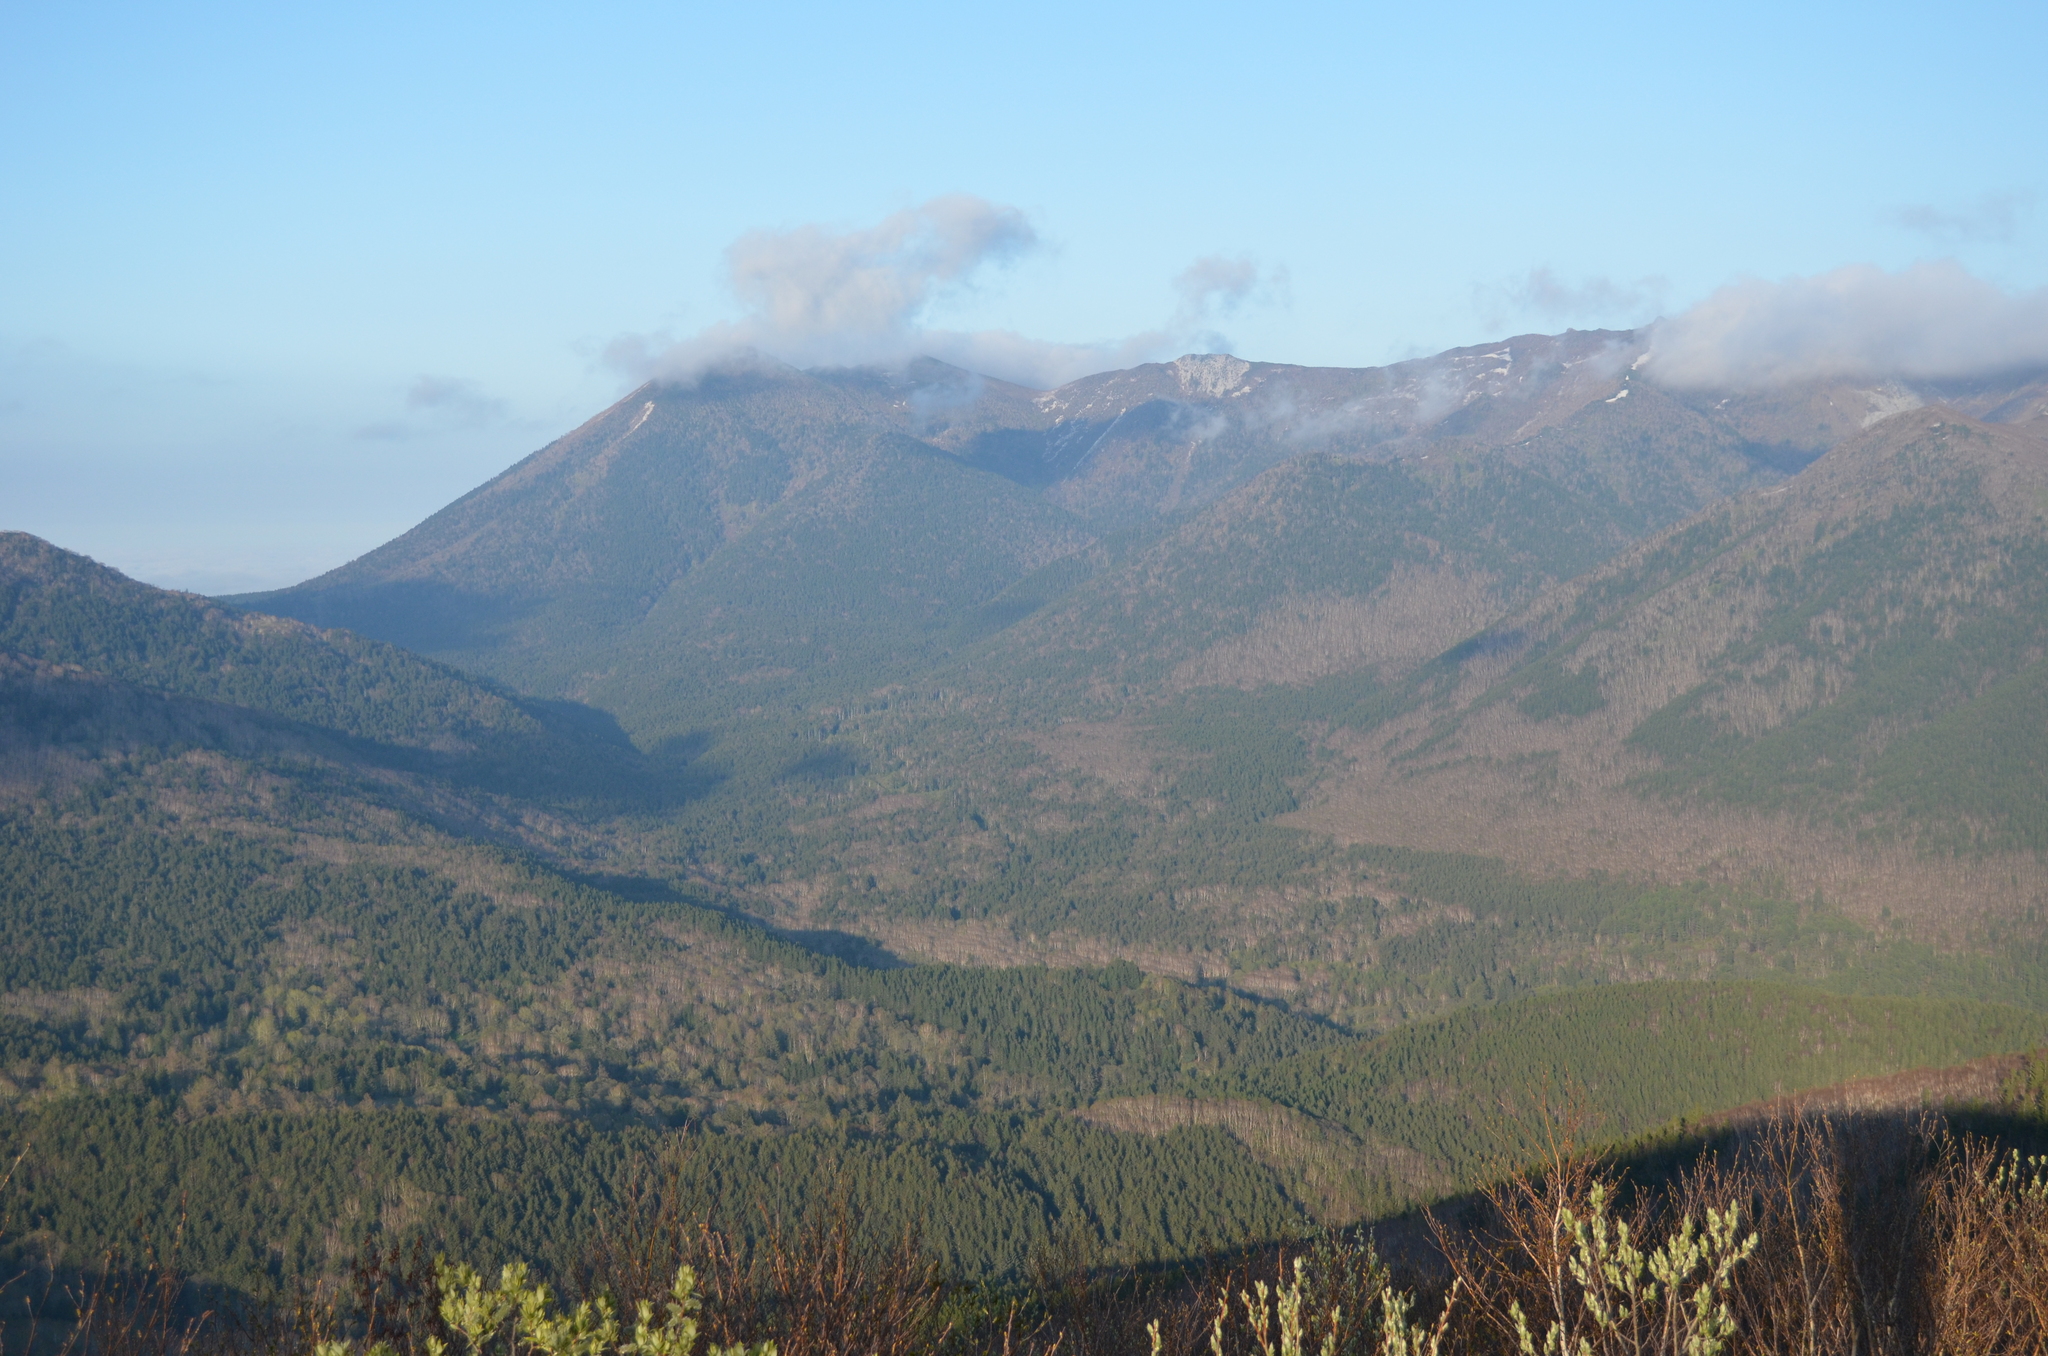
(545, 575)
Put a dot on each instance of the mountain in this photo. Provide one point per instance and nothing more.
(1834, 685)
(763, 536)
(1328, 563)
(1170, 808)
(696, 550)
(993, 675)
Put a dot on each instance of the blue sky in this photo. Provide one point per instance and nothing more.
(275, 283)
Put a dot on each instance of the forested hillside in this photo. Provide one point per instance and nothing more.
(64, 609)
(81, 636)
(1826, 685)
(1185, 809)
(1250, 1148)
(979, 675)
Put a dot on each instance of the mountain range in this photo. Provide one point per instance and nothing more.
(1053, 799)
(895, 510)
(1084, 580)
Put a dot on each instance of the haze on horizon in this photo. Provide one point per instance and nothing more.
(280, 285)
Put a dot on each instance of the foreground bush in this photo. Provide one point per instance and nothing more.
(516, 1318)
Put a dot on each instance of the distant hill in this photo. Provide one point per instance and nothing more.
(81, 635)
(64, 609)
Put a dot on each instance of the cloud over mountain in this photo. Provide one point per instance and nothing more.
(1541, 292)
(818, 297)
(1930, 320)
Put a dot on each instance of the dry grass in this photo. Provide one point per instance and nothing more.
(818, 1287)
(1872, 1236)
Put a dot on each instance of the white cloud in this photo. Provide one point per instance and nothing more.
(1995, 217)
(438, 405)
(456, 401)
(817, 297)
(1214, 287)
(1860, 322)
(1543, 294)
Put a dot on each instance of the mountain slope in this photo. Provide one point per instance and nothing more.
(1325, 564)
(62, 608)
(756, 526)
(1440, 1099)
(856, 580)
(90, 640)
(1819, 684)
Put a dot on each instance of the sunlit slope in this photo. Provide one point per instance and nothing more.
(1635, 1055)
(1443, 1104)
(1829, 685)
